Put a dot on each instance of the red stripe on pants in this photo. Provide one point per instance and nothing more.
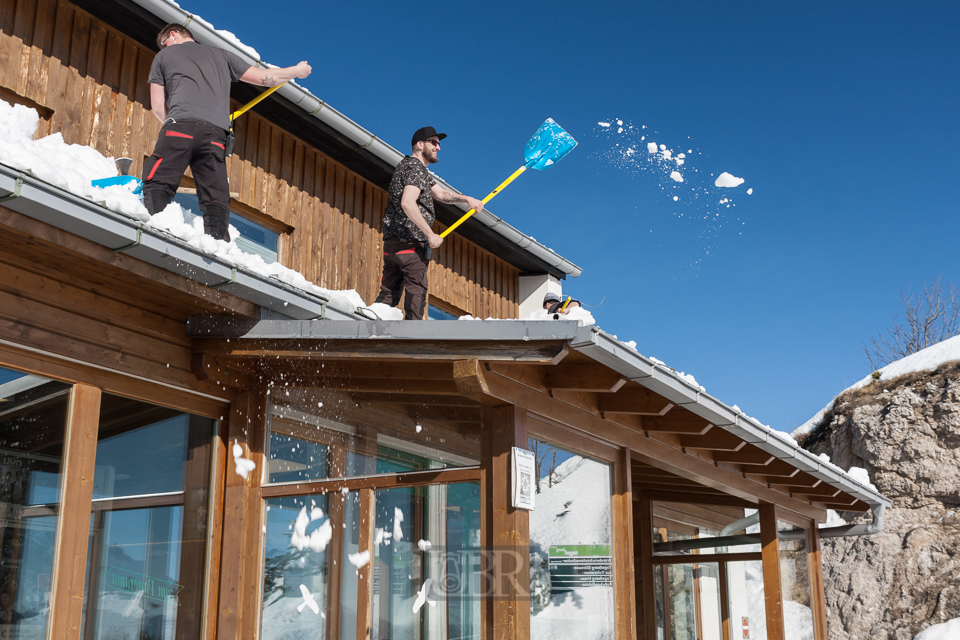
(154, 170)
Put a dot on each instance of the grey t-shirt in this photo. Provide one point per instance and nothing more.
(196, 79)
(396, 224)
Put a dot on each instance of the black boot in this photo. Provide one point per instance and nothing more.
(216, 222)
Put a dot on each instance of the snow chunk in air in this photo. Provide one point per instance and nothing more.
(675, 176)
(728, 180)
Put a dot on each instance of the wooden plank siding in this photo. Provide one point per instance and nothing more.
(90, 83)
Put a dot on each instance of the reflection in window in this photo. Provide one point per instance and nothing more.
(436, 313)
(295, 576)
(745, 594)
(680, 528)
(33, 414)
(317, 435)
(571, 554)
(148, 525)
(688, 601)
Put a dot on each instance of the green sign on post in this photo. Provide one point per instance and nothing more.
(574, 566)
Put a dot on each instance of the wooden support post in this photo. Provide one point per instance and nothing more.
(623, 548)
(365, 521)
(725, 623)
(772, 590)
(242, 521)
(76, 493)
(643, 563)
(818, 599)
(507, 571)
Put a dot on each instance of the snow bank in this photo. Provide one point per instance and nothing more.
(949, 630)
(71, 167)
(924, 360)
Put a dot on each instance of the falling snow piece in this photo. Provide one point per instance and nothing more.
(424, 545)
(604, 124)
(651, 147)
(243, 466)
(422, 596)
(675, 176)
(320, 536)
(727, 180)
(308, 601)
(397, 519)
(382, 537)
(134, 607)
(359, 560)
(750, 191)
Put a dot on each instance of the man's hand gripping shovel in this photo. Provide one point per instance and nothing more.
(543, 150)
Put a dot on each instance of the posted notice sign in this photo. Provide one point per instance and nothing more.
(524, 472)
(580, 565)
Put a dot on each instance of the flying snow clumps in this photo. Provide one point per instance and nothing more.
(651, 147)
(397, 519)
(318, 538)
(604, 124)
(727, 180)
(675, 176)
(359, 560)
(71, 167)
(243, 465)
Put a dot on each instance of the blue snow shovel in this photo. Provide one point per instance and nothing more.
(543, 150)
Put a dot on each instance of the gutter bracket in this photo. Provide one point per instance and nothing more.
(233, 279)
(132, 244)
(16, 190)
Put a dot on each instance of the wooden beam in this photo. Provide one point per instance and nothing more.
(775, 467)
(530, 376)
(645, 449)
(365, 369)
(643, 561)
(636, 402)
(412, 398)
(412, 479)
(818, 599)
(72, 527)
(206, 368)
(772, 586)
(715, 439)
(748, 455)
(692, 425)
(787, 484)
(583, 377)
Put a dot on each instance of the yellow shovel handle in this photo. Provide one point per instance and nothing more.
(564, 307)
(503, 184)
(239, 112)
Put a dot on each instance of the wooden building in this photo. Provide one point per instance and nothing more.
(140, 378)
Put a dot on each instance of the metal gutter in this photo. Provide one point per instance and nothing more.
(606, 349)
(46, 203)
(301, 97)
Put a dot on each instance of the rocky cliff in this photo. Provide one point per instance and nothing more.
(906, 433)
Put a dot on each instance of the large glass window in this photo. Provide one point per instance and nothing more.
(571, 553)
(412, 571)
(33, 413)
(148, 526)
(317, 435)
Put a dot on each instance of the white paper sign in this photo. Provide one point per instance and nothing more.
(524, 477)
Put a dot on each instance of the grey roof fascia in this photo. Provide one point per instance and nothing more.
(606, 349)
(51, 205)
(305, 100)
(272, 329)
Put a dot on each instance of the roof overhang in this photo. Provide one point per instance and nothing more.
(580, 376)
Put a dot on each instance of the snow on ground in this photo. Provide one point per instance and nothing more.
(924, 360)
(949, 630)
(72, 167)
(573, 511)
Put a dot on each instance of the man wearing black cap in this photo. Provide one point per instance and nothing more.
(553, 304)
(408, 224)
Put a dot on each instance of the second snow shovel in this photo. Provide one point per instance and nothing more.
(544, 149)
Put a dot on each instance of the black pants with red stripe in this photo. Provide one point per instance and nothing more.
(404, 269)
(202, 147)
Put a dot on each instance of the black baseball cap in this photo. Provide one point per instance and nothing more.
(425, 133)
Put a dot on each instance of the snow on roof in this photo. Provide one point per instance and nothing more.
(72, 168)
(924, 360)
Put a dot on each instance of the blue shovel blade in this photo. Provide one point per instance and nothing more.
(548, 145)
(130, 182)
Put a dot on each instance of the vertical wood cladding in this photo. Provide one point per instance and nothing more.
(92, 80)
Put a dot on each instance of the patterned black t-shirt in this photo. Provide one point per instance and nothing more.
(396, 224)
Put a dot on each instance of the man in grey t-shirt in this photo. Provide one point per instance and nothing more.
(190, 95)
(408, 224)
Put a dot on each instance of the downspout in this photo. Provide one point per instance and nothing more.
(737, 525)
(867, 529)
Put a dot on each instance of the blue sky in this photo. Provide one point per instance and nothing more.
(842, 116)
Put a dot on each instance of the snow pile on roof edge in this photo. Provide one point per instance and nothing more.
(924, 360)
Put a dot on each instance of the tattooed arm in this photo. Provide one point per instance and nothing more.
(273, 77)
(449, 197)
